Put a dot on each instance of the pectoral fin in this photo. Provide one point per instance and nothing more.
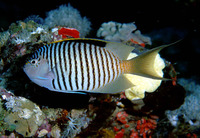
(120, 84)
(51, 75)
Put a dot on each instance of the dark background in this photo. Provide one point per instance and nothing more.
(164, 21)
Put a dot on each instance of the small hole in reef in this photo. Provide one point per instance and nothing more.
(15, 121)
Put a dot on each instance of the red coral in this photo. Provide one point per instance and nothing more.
(122, 95)
(193, 135)
(134, 134)
(121, 117)
(68, 32)
(126, 125)
(145, 127)
(63, 118)
(120, 134)
(136, 42)
(172, 73)
(115, 128)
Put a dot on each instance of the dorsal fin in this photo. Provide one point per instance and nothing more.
(96, 42)
(121, 50)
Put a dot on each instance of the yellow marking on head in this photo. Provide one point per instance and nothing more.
(27, 62)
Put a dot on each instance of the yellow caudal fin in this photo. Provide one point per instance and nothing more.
(143, 65)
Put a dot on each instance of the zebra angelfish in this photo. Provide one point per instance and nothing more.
(88, 65)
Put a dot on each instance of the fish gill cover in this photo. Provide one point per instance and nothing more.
(29, 110)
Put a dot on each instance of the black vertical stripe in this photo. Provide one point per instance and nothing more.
(53, 65)
(48, 49)
(102, 59)
(56, 55)
(61, 53)
(81, 64)
(75, 66)
(98, 66)
(51, 56)
(112, 65)
(117, 64)
(87, 65)
(89, 54)
(70, 65)
(107, 64)
(36, 54)
(65, 63)
(93, 68)
(53, 83)
(44, 52)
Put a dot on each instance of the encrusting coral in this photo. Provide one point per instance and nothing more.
(122, 32)
(22, 114)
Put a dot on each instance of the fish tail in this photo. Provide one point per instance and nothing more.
(143, 65)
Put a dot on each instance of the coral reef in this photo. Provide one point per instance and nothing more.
(76, 122)
(132, 113)
(24, 37)
(126, 125)
(24, 32)
(189, 111)
(67, 16)
(27, 119)
(145, 127)
(122, 33)
(22, 114)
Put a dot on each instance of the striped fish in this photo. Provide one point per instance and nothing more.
(88, 65)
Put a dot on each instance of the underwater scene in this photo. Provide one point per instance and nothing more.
(100, 70)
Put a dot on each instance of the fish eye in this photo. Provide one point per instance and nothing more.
(33, 61)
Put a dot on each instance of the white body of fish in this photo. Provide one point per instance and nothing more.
(88, 65)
